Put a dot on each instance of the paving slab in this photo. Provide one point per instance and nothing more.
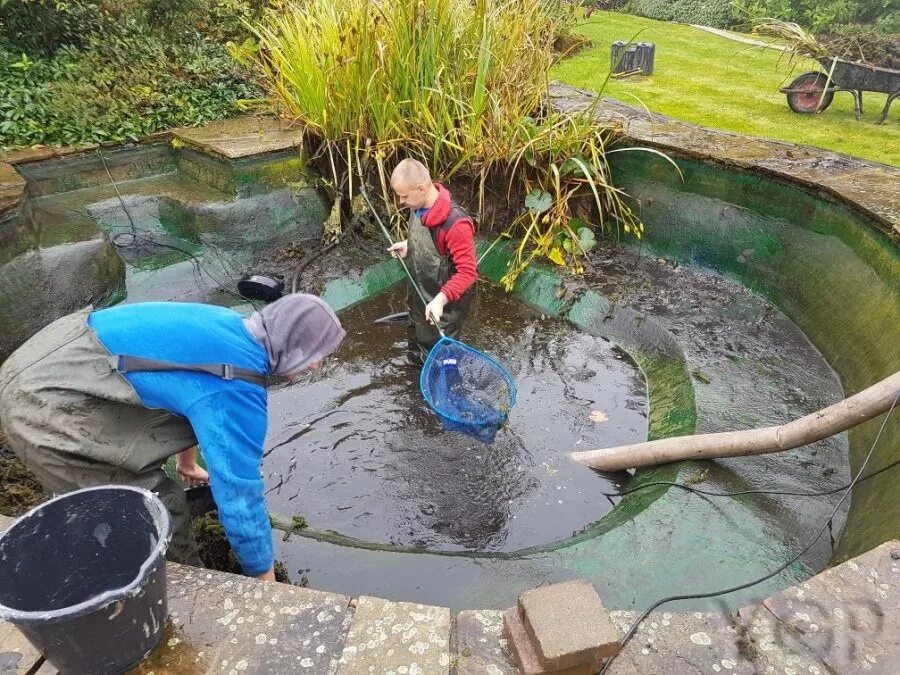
(479, 646)
(17, 655)
(683, 643)
(396, 637)
(849, 615)
(771, 648)
(12, 185)
(568, 624)
(225, 623)
(242, 136)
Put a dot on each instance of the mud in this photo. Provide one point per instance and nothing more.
(20, 491)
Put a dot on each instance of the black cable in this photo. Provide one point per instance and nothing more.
(194, 259)
(634, 626)
(748, 492)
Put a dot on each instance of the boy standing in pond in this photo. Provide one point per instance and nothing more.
(440, 255)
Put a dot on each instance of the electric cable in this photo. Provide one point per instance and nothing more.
(135, 236)
(787, 493)
(696, 596)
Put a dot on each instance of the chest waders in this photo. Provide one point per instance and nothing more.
(431, 271)
(75, 421)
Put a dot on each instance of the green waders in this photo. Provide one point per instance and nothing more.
(76, 422)
(430, 270)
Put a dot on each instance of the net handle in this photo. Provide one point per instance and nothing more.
(387, 235)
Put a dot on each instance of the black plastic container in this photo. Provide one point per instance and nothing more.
(83, 576)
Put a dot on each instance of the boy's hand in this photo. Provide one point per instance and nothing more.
(434, 310)
(399, 250)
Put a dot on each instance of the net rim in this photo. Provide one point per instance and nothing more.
(430, 360)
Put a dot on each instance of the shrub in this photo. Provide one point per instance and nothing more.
(705, 12)
(821, 16)
(120, 87)
(40, 27)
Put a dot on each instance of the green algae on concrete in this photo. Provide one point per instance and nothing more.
(248, 176)
(830, 270)
(87, 170)
(343, 293)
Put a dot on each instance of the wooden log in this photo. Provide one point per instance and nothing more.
(834, 419)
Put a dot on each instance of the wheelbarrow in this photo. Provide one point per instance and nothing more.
(813, 92)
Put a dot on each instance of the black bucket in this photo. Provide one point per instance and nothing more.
(83, 576)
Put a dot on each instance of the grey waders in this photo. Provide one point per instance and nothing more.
(76, 422)
(431, 271)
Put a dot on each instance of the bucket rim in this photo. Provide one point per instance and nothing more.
(19, 616)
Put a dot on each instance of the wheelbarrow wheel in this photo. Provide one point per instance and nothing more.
(806, 97)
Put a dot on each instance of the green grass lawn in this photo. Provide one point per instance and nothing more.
(716, 82)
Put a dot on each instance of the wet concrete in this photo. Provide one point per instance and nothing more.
(752, 367)
(180, 236)
(358, 451)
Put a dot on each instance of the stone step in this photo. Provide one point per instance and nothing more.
(396, 637)
(479, 645)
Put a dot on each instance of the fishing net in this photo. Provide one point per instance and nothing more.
(469, 391)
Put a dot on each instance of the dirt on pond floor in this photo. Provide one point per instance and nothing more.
(20, 491)
(217, 554)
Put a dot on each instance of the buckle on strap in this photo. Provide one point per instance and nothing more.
(227, 371)
(117, 362)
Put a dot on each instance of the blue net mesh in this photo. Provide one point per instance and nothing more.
(468, 390)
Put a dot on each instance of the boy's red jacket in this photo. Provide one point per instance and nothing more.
(458, 240)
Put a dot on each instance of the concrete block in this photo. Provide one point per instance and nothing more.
(568, 624)
(524, 653)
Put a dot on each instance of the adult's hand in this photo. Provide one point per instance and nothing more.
(267, 576)
(188, 469)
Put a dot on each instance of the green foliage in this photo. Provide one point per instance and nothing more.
(118, 80)
(889, 23)
(118, 88)
(704, 12)
(823, 15)
(40, 27)
(218, 20)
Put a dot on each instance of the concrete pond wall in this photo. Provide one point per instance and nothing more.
(829, 262)
(831, 269)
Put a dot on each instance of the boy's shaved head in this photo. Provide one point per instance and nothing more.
(410, 173)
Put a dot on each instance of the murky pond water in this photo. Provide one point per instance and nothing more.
(356, 449)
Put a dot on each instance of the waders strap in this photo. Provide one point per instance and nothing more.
(125, 364)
